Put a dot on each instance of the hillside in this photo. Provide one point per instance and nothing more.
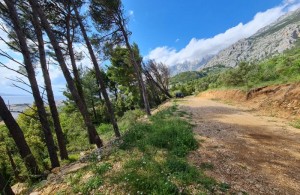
(189, 76)
(186, 77)
(269, 41)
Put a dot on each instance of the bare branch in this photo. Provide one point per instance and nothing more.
(21, 112)
(18, 80)
(5, 54)
(14, 85)
(5, 66)
(10, 45)
(3, 28)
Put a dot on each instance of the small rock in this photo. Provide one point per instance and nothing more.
(19, 188)
(55, 170)
(34, 193)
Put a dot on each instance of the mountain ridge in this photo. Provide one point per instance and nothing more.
(267, 42)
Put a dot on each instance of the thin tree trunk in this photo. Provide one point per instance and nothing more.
(98, 76)
(116, 93)
(73, 61)
(5, 189)
(33, 83)
(93, 135)
(163, 90)
(18, 136)
(50, 96)
(77, 78)
(141, 102)
(93, 107)
(154, 93)
(13, 164)
(136, 68)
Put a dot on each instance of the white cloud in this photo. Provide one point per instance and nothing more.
(6, 73)
(197, 49)
(177, 40)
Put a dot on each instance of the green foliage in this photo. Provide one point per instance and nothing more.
(296, 124)
(92, 184)
(208, 79)
(5, 142)
(79, 185)
(224, 187)
(102, 168)
(74, 131)
(162, 168)
(186, 77)
(146, 176)
(93, 97)
(150, 160)
(165, 132)
(121, 71)
(174, 135)
(32, 129)
(207, 166)
(129, 118)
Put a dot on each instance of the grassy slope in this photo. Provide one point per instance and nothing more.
(188, 76)
(151, 160)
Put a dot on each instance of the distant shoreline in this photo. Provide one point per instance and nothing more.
(16, 108)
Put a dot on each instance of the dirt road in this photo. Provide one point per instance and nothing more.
(251, 153)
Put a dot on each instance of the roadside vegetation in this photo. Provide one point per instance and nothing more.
(150, 159)
(101, 99)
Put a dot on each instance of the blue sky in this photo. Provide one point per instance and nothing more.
(178, 31)
(162, 22)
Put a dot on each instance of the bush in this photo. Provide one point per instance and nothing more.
(129, 118)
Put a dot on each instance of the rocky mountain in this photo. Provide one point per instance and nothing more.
(269, 41)
(189, 66)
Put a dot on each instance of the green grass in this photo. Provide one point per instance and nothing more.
(296, 124)
(151, 160)
(161, 166)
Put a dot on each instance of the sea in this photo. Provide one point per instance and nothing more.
(18, 103)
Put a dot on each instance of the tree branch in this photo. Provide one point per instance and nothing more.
(21, 112)
(5, 54)
(3, 65)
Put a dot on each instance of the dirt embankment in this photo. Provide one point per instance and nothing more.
(278, 100)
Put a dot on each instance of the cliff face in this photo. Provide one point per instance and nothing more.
(267, 42)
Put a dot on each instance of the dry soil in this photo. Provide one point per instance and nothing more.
(253, 154)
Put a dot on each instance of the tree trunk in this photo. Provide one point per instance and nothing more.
(93, 135)
(93, 107)
(154, 92)
(136, 68)
(98, 76)
(73, 61)
(33, 83)
(163, 90)
(48, 86)
(5, 189)
(18, 137)
(13, 164)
